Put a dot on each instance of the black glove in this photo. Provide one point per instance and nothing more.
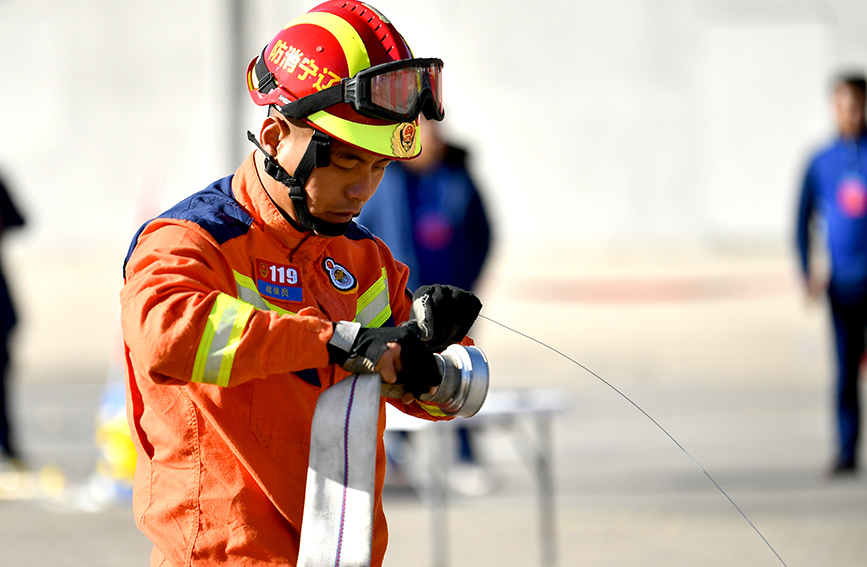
(443, 314)
(358, 349)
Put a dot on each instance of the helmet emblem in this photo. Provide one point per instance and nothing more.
(403, 140)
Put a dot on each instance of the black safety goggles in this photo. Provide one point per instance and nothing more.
(397, 91)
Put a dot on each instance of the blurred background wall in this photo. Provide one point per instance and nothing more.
(601, 123)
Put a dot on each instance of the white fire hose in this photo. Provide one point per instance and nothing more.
(337, 527)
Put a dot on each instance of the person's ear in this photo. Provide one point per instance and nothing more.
(272, 133)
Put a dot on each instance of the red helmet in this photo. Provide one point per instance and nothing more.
(345, 70)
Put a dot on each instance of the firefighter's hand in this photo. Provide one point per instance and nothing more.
(396, 353)
(443, 314)
(390, 367)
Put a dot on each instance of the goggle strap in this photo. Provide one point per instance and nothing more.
(305, 106)
(267, 82)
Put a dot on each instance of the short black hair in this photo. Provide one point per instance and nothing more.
(853, 80)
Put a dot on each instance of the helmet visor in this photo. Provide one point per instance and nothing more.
(401, 90)
(397, 91)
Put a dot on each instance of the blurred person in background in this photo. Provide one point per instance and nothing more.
(245, 301)
(835, 189)
(10, 217)
(430, 214)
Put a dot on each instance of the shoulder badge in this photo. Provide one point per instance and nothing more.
(340, 277)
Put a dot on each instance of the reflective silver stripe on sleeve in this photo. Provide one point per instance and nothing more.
(373, 307)
(220, 339)
(247, 292)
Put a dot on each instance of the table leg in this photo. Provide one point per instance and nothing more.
(547, 532)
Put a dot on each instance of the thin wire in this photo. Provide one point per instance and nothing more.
(656, 423)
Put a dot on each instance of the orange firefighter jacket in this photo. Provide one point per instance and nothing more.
(226, 312)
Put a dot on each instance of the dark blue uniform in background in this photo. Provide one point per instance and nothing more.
(9, 218)
(835, 188)
(434, 223)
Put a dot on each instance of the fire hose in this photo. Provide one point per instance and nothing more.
(337, 525)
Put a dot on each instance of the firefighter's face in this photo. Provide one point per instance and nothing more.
(335, 193)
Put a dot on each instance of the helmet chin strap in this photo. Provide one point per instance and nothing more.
(318, 154)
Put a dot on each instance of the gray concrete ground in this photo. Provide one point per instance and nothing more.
(719, 349)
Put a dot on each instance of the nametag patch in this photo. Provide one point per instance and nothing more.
(278, 281)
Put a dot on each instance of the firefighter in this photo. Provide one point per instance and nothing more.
(245, 301)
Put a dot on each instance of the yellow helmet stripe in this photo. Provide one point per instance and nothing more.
(252, 80)
(379, 139)
(353, 47)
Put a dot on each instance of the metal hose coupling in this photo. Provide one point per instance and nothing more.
(465, 381)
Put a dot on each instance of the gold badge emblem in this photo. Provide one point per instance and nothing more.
(403, 140)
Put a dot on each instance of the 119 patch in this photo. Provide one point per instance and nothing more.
(278, 281)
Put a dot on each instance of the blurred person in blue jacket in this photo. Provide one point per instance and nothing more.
(835, 189)
(429, 212)
(432, 217)
(10, 217)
